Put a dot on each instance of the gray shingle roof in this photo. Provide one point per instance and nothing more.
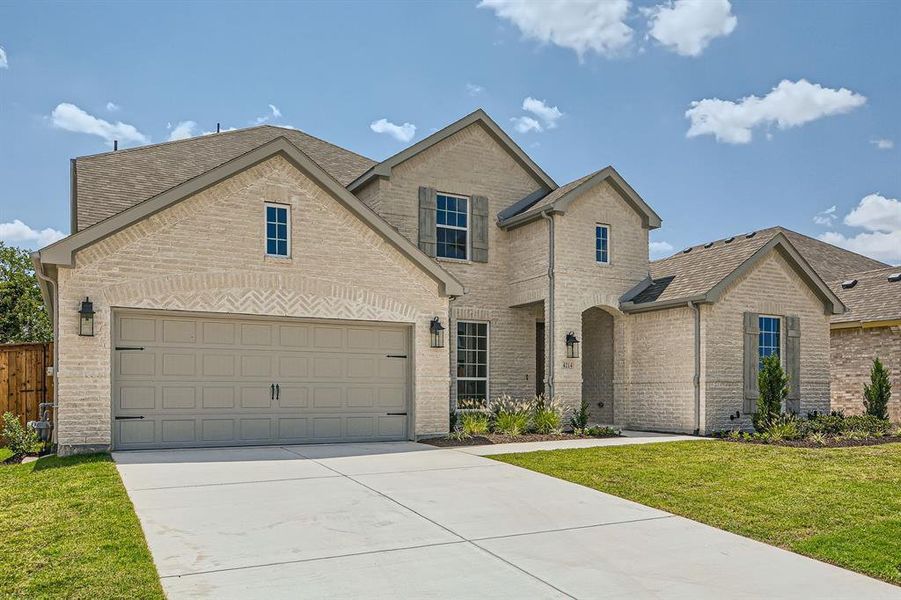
(695, 272)
(872, 298)
(106, 184)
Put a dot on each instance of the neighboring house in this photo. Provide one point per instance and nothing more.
(870, 328)
(264, 286)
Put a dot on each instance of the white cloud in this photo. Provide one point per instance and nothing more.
(687, 26)
(660, 249)
(4, 63)
(883, 143)
(548, 114)
(274, 113)
(880, 217)
(182, 131)
(789, 104)
(19, 234)
(582, 26)
(473, 89)
(526, 124)
(876, 213)
(71, 118)
(112, 106)
(826, 217)
(402, 133)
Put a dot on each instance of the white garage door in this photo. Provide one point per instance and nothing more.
(188, 381)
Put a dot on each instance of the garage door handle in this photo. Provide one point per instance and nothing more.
(278, 391)
(403, 414)
(128, 418)
(395, 356)
(129, 347)
(272, 391)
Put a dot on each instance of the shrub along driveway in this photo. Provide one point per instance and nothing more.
(407, 520)
(840, 505)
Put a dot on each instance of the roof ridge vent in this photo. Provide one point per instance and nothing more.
(849, 283)
(708, 245)
(895, 277)
(729, 240)
(750, 235)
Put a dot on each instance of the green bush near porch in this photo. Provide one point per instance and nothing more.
(840, 505)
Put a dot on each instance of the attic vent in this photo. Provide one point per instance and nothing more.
(894, 277)
(728, 240)
(687, 250)
(752, 234)
(849, 283)
(708, 245)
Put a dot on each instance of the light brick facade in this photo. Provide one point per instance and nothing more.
(206, 254)
(852, 353)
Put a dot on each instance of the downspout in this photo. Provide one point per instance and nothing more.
(54, 318)
(549, 366)
(697, 376)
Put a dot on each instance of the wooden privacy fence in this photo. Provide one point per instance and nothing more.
(24, 381)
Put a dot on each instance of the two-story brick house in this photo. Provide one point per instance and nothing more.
(262, 286)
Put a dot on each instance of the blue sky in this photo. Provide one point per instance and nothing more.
(621, 75)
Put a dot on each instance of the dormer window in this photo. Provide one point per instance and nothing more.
(453, 226)
(278, 229)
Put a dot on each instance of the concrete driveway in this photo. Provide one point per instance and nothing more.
(403, 520)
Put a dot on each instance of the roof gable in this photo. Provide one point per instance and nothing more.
(108, 183)
(704, 278)
(480, 117)
(63, 252)
(559, 200)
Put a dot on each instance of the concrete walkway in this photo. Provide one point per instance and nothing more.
(629, 438)
(403, 520)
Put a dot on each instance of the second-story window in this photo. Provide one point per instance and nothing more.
(602, 244)
(278, 225)
(453, 226)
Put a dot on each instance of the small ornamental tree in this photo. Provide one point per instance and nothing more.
(877, 395)
(772, 384)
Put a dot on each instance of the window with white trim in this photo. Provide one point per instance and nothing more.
(602, 244)
(472, 364)
(278, 229)
(770, 341)
(453, 226)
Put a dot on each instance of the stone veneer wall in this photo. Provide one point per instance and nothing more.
(206, 254)
(851, 355)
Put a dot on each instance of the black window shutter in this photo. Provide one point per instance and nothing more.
(479, 242)
(751, 361)
(428, 225)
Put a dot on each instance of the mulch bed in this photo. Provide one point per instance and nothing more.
(498, 438)
(830, 442)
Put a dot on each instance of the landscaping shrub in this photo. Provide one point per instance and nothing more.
(511, 417)
(579, 419)
(547, 415)
(782, 427)
(474, 423)
(602, 432)
(772, 384)
(879, 392)
(20, 440)
(867, 424)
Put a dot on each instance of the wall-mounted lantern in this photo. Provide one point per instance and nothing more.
(86, 322)
(572, 345)
(437, 331)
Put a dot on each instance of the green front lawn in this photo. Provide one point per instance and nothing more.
(68, 530)
(839, 505)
